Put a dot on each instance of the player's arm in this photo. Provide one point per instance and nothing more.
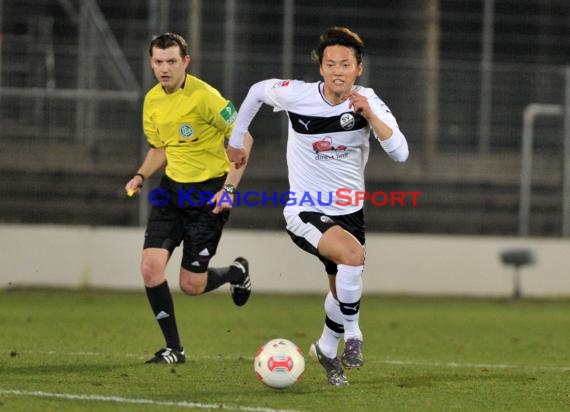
(235, 174)
(255, 98)
(382, 123)
(395, 144)
(155, 157)
(221, 114)
(232, 179)
(153, 161)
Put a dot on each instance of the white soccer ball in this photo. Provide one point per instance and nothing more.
(279, 363)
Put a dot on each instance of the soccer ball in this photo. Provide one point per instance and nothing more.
(279, 363)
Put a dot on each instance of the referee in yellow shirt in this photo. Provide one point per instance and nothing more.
(186, 122)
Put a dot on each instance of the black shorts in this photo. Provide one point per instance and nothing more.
(186, 217)
(352, 223)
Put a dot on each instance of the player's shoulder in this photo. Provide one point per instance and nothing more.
(373, 97)
(291, 92)
(196, 85)
(365, 91)
(288, 85)
(154, 92)
(153, 98)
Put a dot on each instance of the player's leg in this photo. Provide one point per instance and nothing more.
(306, 230)
(203, 234)
(163, 234)
(332, 239)
(158, 293)
(153, 267)
(343, 248)
(340, 246)
(326, 347)
(333, 328)
(195, 283)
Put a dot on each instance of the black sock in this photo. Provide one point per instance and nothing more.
(163, 308)
(218, 276)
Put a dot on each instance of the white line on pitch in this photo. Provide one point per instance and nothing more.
(118, 399)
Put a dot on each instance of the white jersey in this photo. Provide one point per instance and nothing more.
(327, 147)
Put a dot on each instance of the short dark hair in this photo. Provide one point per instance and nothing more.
(339, 36)
(166, 40)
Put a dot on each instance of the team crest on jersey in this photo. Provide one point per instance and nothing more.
(347, 121)
(186, 130)
(229, 113)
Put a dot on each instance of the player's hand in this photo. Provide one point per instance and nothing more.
(359, 104)
(237, 156)
(133, 186)
(222, 201)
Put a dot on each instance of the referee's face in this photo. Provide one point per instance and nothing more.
(169, 67)
(340, 70)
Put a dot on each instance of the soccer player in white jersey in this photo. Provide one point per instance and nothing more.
(327, 149)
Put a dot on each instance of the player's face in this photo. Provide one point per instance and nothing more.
(340, 70)
(169, 67)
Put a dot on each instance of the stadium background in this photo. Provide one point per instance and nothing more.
(458, 74)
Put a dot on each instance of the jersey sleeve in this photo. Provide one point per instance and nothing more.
(149, 128)
(396, 146)
(278, 93)
(218, 111)
(273, 92)
(381, 110)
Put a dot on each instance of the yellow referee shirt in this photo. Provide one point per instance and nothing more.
(192, 125)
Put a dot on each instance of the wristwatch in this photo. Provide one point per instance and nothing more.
(231, 189)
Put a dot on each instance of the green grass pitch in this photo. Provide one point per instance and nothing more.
(85, 351)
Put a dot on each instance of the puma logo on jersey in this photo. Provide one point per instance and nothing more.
(306, 125)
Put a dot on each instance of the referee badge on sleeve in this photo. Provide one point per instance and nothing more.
(229, 113)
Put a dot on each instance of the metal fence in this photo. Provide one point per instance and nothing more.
(458, 75)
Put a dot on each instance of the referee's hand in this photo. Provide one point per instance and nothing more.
(222, 201)
(133, 186)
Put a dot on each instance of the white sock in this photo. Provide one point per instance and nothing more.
(349, 292)
(329, 340)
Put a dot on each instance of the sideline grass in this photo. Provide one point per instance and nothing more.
(84, 351)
